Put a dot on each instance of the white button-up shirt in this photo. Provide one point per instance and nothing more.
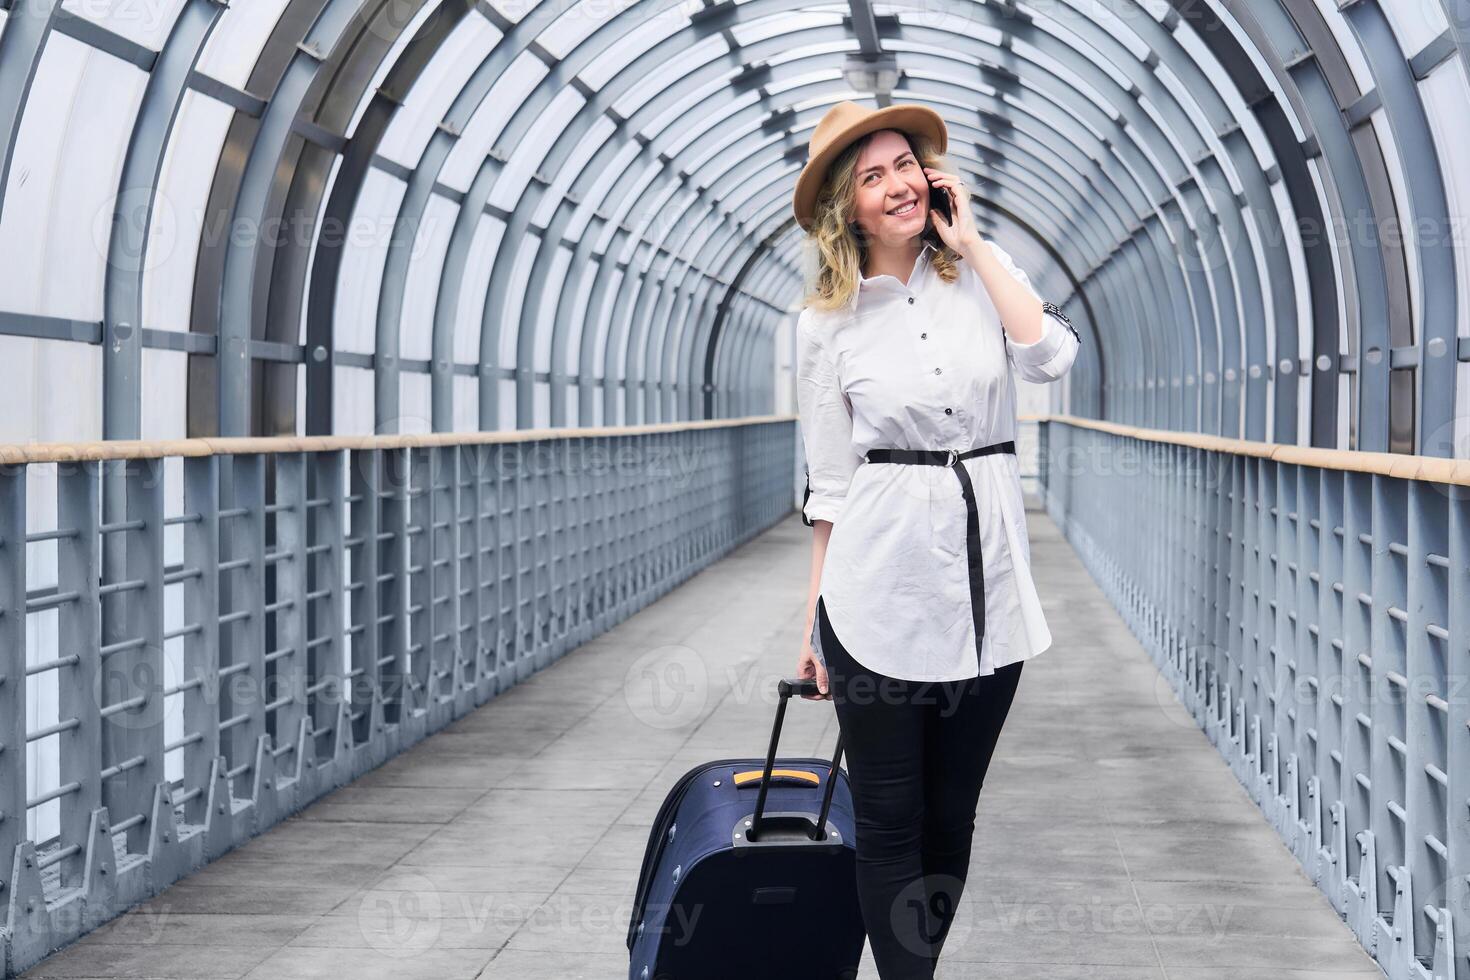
(921, 366)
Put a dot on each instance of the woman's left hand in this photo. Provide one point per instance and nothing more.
(960, 234)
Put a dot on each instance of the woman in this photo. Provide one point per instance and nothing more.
(921, 606)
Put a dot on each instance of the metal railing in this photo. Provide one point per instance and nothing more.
(204, 636)
(1311, 610)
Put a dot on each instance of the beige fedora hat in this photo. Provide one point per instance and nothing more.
(846, 122)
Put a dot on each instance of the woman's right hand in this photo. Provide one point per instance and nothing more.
(807, 667)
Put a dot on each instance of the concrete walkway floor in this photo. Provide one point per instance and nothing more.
(1112, 842)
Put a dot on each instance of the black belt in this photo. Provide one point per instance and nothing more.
(951, 458)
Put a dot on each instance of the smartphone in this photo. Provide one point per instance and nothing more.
(939, 201)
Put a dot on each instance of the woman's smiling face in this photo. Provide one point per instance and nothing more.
(890, 179)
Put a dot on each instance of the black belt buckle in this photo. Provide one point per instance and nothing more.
(954, 457)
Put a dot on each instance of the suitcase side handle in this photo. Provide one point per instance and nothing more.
(754, 776)
(786, 688)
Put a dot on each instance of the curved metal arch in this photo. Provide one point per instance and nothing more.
(122, 290)
(441, 362)
(357, 38)
(1184, 127)
(786, 93)
(1306, 91)
(959, 138)
(290, 286)
(518, 39)
(1424, 188)
(21, 45)
(274, 182)
(228, 285)
(441, 359)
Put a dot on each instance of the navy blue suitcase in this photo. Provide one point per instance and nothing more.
(730, 890)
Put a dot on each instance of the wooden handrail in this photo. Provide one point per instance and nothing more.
(1434, 469)
(74, 452)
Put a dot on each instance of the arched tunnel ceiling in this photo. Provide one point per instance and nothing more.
(335, 215)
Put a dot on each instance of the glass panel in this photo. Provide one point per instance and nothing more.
(532, 150)
(352, 401)
(147, 24)
(183, 192)
(165, 410)
(645, 35)
(514, 11)
(400, 42)
(1416, 24)
(510, 314)
(578, 23)
(238, 39)
(364, 251)
(549, 293)
(787, 23)
(1347, 42)
(33, 406)
(425, 268)
(472, 291)
(466, 404)
(507, 94)
(415, 405)
(431, 96)
(671, 74)
(63, 181)
(1444, 100)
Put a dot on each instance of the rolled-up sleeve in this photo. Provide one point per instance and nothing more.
(1051, 355)
(826, 424)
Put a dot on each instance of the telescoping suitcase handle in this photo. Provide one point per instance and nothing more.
(786, 688)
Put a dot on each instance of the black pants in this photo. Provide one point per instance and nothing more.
(917, 752)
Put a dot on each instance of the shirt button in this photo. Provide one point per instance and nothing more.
(949, 411)
(911, 301)
(936, 370)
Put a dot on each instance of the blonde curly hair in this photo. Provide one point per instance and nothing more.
(836, 244)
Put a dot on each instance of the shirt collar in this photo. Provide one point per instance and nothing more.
(866, 281)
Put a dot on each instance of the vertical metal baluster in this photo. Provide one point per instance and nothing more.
(493, 620)
(1236, 677)
(522, 560)
(1283, 641)
(286, 674)
(1390, 526)
(12, 676)
(201, 648)
(78, 560)
(420, 531)
(536, 502)
(1457, 865)
(1357, 581)
(1218, 585)
(364, 683)
(1264, 647)
(393, 655)
(1425, 804)
(1331, 720)
(1247, 695)
(556, 537)
(1308, 684)
(466, 579)
(325, 668)
(442, 579)
(242, 639)
(133, 737)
